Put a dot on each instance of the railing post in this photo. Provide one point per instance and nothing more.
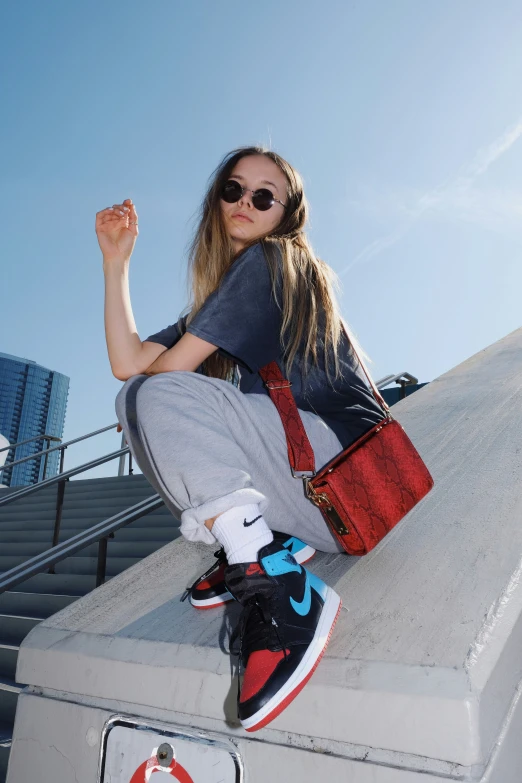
(45, 460)
(62, 458)
(121, 465)
(58, 519)
(130, 464)
(102, 560)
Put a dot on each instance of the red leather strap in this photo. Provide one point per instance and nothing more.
(300, 452)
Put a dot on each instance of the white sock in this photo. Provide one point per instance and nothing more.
(242, 532)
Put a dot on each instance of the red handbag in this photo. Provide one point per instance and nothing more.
(369, 487)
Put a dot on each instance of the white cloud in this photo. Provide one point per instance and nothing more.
(495, 209)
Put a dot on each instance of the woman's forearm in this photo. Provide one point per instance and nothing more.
(123, 342)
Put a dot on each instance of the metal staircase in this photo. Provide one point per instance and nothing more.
(26, 529)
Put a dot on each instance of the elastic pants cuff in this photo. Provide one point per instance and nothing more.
(193, 519)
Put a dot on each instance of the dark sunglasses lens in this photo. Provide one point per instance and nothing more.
(231, 192)
(263, 199)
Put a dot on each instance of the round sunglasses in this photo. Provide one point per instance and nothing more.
(262, 199)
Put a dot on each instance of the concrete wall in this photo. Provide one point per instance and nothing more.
(423, 671)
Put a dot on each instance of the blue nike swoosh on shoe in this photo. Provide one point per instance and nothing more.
(303, 607)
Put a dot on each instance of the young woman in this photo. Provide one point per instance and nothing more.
(201, 426)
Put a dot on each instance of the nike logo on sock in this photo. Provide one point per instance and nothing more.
(247, 524)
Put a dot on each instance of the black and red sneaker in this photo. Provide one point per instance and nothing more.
(210, 590)
(286, 624)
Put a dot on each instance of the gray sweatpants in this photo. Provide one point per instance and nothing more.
(206, 447)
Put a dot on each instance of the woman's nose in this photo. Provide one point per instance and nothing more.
(246, 198)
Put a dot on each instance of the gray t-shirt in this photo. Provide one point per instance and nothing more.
(243, 319)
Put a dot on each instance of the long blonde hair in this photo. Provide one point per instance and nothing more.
(309, 285)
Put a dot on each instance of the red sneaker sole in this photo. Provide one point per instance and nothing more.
(211, 605)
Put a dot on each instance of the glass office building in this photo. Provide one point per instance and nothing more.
(33, 401)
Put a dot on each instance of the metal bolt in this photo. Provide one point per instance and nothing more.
(165, 754)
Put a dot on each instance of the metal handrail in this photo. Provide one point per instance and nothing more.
(29, 440)
(97, 533)
(57, 448)
(404, 378)
(61, 476)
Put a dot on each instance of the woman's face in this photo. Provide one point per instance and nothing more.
(242, 220)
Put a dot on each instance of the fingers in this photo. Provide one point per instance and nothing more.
(106, 218)
(130, 214)
(133, 215)
(124, 213)
(121, 210)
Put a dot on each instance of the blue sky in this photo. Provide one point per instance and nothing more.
(403, 117)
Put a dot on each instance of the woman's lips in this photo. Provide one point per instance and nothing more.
(242, 217)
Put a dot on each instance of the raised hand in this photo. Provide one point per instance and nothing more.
(117, 229)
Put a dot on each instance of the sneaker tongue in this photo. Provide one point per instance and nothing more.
(245, 580)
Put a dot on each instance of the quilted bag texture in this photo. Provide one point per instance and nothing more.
(369, 487)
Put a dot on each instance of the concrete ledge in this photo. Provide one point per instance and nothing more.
(425, 662)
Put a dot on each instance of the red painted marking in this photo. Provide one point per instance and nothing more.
(176, 770)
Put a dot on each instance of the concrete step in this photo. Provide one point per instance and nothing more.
(39, 605)
(79, 489)
(5, 731)
(13, 629)
(106, 481)
(82, 480)
(69, 512)
(107, 484)
(161, 534)
(47, 506)
(27, 526)
(26, 548)
(79, 565)
(100, 482)
(5, 748)
(158, 533)
(34, 514)
(156, 530)
(70, 585)
(9, 691)
(82, 508)
(140, 548)
(8, 658)
(132, 532)
(24, 527)
(15, 535)
(76, 489)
